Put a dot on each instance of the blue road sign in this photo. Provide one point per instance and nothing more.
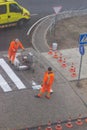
(81, 49)
(83, 38)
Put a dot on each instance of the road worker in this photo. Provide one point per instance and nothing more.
(14, 45)
(47, 82)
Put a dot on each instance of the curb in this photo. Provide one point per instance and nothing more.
(50, 22)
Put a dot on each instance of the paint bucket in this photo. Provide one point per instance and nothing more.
(54, 46)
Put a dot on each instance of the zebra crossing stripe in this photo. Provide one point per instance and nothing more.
(4, 85)
(11, 74)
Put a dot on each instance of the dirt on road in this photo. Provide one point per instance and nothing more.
(67, 33)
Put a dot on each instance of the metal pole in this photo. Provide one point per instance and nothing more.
(55, 27)
(79, 71)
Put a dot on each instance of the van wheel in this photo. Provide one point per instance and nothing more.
(21, 22)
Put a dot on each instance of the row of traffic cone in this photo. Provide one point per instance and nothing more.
(79, 122)
(64, 65)
(54, 53)
(62, 60)
(68, 124)
(73, 70)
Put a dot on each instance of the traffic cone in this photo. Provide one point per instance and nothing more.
(60, 58)
(86, 119)
(79, 121)
(49, 126)
(64, 63)
(55, 54)
(74, 73)
(39, 128)
(50, 51)
(71, 68)
(69, 123)
(58, 126)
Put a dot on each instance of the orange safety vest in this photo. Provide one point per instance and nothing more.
(14, 46)
(48, 78)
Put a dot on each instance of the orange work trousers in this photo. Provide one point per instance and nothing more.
(11, 56)
(45, 88)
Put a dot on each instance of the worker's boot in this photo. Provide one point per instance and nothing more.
(48, 95)
(12, 63)
(38, 96)
(9, 61)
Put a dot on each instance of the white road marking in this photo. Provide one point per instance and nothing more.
(4, 85)
(37, 23)
(11, 74)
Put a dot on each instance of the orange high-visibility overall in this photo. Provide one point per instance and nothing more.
(13, 49)
(48, 80)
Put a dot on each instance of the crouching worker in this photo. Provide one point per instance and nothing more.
(14, 45)
(48, 80)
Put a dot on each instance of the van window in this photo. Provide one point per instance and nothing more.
(2, 9)
(14, 8)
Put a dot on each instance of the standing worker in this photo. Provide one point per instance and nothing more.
(14, 45)
(48, 80)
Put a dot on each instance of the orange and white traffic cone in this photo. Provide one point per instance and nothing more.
(60, 58)
(55, 54)
(74, 73)
(64, 65)
(50, 51)
(86, 120)
(69, 123)
(79, 121)
(71, 68)
(39, 128)
(58, 126)
(49, 126)
(26, 129)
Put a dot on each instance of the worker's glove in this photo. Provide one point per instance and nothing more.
(14, 50)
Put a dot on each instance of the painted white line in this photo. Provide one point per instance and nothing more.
(11, 74)
(37, 23)
(4, 85)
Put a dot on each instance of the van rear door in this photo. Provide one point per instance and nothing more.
(15, 13)
(3, 14)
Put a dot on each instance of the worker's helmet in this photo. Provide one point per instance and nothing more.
(49, 69)
(16, 40)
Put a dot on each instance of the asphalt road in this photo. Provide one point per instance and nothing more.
(8, 34)
(46, 6)
(38, 10)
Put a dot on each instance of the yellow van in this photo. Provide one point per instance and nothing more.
(11, 13)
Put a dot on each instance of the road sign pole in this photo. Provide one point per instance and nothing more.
(79, 71)
(56, 10)
(55, 27)
(82, 41)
